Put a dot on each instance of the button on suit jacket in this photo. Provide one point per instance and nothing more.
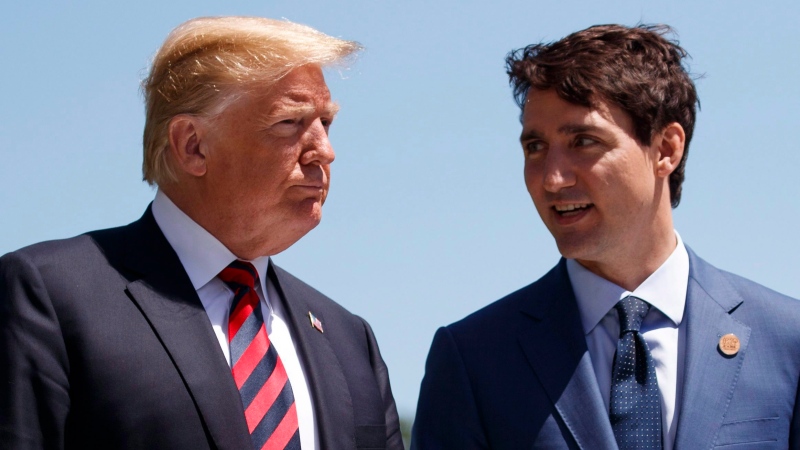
(517, 374)
(105, 344)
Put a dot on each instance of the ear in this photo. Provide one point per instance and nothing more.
(670, 143)
(185, 133)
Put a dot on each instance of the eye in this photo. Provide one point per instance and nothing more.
(583, 141)
(533, 146)
(286, 127)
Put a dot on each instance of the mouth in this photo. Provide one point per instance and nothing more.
(571, 209)
(312, 185)
(312, 191)
(571, 213)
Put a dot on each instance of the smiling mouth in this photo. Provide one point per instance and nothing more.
(571, 209)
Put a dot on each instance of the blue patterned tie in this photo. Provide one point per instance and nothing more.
(635, 409)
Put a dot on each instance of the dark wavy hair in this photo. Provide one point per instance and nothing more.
(638, 69)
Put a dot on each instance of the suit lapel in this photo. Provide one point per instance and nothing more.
(555, 347)
(167, 299)
(333, 404)
(710, 377)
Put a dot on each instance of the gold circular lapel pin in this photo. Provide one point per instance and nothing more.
(729, 344)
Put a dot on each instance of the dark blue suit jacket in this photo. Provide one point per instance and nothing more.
(517, 374)
(104, 344)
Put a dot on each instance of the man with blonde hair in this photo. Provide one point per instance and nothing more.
(177, 331)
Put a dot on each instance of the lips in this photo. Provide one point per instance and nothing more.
(571, 208)
(567, 214)
(310, 183)
(312, 191)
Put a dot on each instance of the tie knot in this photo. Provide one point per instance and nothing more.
(238, 274)
(631, 312)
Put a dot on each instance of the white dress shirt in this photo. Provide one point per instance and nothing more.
(662, 329)
(203, 257)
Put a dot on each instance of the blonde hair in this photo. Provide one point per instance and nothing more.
(206, 62)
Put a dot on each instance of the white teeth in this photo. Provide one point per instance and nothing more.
(571, 207)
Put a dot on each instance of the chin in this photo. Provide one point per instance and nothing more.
(312, 223)
(309, 221)
(575, 247)
(315, 215)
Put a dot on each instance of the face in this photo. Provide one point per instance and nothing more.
(596, 188)
(268, 164)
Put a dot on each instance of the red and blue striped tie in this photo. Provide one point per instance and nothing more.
(257, 369)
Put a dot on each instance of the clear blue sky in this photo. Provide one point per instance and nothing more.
(428, 218)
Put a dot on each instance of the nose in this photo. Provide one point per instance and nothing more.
(558, 171)
(317, 147)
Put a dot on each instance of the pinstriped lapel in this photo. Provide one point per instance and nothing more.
(170, 304)
(333, 404)
(710, 377)
(555, 347)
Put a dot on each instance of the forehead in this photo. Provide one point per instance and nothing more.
(302, 88)
(546, 110)
(302, 85)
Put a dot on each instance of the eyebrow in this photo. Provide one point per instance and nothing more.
(330, 109)
(569, 128)
(528, 135)
(576, 128)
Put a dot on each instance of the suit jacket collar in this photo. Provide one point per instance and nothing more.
(564, 368)
(333, 405)
(710, 377)
(555, 347)
(161, 288)
(163, 292)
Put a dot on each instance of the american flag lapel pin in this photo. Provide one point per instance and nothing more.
(315, 322)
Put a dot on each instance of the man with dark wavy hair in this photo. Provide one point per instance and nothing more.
(631, 341)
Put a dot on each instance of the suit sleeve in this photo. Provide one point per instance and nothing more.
(34, 392)
(394, 439)
(447, 416)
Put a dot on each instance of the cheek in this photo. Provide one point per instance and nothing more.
(327, 169)
(533, 182)
(532, 177)
(271, 164)
(284, 160)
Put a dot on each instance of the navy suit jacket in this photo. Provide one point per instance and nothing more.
(105, 344)
(517, 374)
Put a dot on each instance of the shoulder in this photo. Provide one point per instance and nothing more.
(332, 314)
(748, 301)
(754, 292)
(715, 280)
(504, 316)
(50, 258)
(48, 251)
(296, 286)
(66, 256)
(70, 274)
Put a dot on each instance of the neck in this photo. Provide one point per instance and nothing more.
(225, 228)
(630, 274)
(630, 265)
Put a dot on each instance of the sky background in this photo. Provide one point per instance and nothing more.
(428, 218)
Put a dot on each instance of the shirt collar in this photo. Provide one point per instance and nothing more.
(665, 289)
(202, 255)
